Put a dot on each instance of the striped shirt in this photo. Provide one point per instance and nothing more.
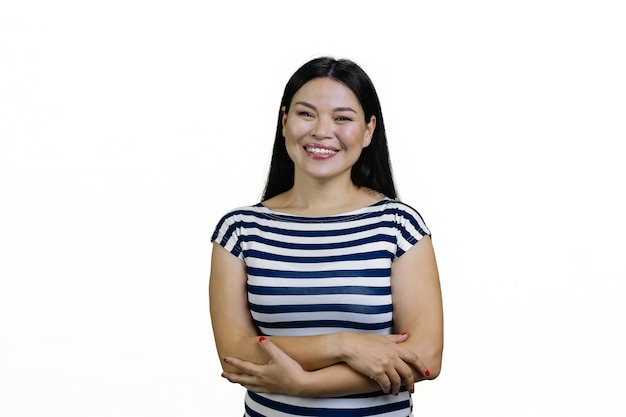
(320, 275)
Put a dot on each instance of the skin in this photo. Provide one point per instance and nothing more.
(326, 114)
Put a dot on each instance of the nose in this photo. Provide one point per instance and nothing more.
(322, 128)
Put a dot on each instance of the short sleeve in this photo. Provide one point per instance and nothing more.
(410, 227)
(228, 232)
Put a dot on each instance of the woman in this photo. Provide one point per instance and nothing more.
(325, 297)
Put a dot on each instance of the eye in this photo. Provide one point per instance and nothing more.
(343, 119)
(305, 113)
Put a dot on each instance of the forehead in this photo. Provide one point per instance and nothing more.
(323, 90)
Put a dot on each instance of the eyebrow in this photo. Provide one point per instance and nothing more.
(309, 105)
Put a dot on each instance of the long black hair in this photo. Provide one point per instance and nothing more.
(373, 168)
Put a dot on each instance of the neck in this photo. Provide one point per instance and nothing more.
(316, 194)
(314, 197)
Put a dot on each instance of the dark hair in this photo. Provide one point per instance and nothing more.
(373, 168)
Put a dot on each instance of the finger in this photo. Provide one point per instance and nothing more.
(397, 338)
(272, 350)
(244, 366)
(233, 377)
(413, 360)
(396, 381)
(247, 381)
(422, 367)
(406, 373)
(383, 381)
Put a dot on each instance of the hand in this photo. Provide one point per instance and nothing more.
(383, 359)
(281, 375)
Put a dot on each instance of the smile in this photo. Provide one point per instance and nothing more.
(320, 151)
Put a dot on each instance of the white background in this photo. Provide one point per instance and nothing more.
(127, 128)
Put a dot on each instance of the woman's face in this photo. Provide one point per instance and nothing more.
(325, 129)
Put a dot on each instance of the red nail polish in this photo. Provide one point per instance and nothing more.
(261, 339)
(226, 360)
(223, 375)
(426, 372)
(412, 390)
(403, 333)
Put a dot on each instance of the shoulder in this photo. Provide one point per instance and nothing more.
(237, 217)
(404, 215)
(398, 207)
(257, 210)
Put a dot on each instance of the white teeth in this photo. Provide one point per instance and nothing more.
(320, 150)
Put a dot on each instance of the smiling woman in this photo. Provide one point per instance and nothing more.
(325, 296)
(325, 130)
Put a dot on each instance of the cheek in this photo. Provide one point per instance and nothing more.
(355, 137)
(291, 139)
(288, 135)
(293, 131)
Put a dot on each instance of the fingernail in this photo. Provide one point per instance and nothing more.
(403, 334)
(412, 390)
(223, 376)
(226, 360)
(426, 372)
(261, 339)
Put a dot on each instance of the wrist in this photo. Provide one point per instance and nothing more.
(306, 386)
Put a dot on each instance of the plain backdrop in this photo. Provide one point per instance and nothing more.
(128, 128)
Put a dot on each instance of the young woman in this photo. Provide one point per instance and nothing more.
(325, 297)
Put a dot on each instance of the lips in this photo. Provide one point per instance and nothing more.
(320, 151)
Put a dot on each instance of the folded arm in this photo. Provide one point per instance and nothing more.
(325, 365)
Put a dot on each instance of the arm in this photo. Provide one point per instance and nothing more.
(236, 339)
(417, 304)
(234, 331)
(283, 375)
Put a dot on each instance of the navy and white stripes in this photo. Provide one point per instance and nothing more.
(319, 275)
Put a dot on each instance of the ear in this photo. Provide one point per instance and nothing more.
(369, 131)
(283, 110)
